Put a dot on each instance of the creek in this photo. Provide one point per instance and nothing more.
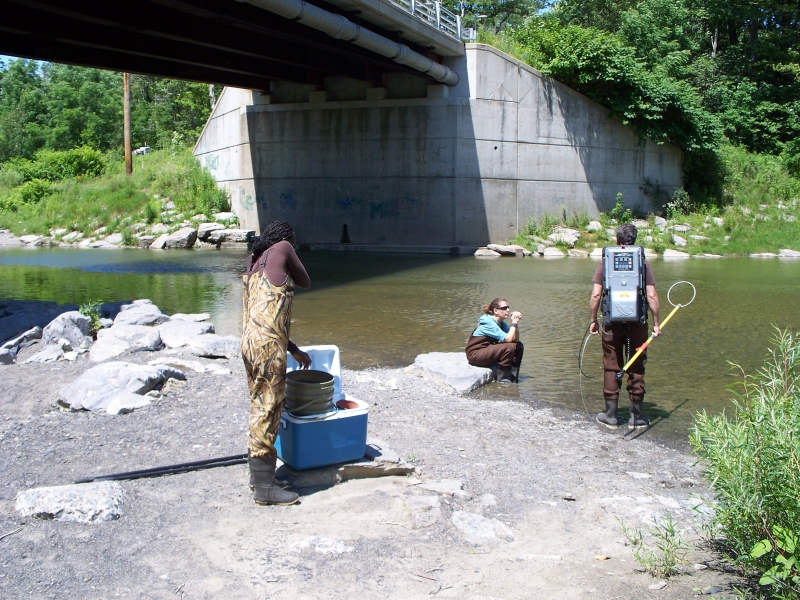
(384, 309)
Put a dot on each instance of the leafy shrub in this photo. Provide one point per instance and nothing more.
(34, 190)
(151, 211)
(191, 187)
(127, 238)
(751, 461)
(669, 553)
(619, 213)
(679, 206)
(91, 309)
(54, 165)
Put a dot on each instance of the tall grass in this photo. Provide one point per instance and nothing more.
(113, 200)
(753, 463)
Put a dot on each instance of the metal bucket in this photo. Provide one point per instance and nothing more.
(308, 392)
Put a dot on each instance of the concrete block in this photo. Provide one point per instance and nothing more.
(378, 93)
(318, 96)
(438, 91)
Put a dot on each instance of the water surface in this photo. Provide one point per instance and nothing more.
(383, 310)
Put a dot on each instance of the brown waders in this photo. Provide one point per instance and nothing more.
(620, 340)
(483, 351)
(267, 318)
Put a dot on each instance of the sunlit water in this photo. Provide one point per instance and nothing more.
(383, 310)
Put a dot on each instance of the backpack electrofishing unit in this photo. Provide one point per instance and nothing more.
(624, 299)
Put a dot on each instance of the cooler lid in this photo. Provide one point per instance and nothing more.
(323, 358)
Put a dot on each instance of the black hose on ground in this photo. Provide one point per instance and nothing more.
(211, 463)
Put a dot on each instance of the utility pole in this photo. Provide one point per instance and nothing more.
(126, 109)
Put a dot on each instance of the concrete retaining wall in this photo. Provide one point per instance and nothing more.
(463, 166)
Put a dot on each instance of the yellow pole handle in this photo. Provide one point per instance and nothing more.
(642, 348)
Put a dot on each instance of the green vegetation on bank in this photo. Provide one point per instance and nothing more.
(762, 214)
(82, 190)
(752, 461)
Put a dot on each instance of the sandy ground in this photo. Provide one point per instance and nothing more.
(558, 480)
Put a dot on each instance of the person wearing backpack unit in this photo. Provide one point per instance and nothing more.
(625, 286)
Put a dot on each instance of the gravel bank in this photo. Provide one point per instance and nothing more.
(554, 478)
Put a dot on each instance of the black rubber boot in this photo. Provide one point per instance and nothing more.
(638, 421)
(281, 482)
(505, 376)
(266, 491)
(608, 418)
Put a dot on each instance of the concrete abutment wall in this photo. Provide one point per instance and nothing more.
(461, 166)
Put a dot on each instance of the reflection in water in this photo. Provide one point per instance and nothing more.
(385, 309)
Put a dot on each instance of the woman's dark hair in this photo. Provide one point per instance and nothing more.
(275, 232)
(489, 308)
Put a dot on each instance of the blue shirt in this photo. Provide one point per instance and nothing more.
(488, 327)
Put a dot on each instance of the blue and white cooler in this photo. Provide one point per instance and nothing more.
(334, 437)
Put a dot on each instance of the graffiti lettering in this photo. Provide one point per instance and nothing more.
(287, 199)
(383, 210)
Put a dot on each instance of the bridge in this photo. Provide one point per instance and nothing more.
(370, 113)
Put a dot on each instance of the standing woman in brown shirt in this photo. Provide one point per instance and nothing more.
(272, 272)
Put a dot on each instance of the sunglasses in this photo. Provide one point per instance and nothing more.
(503, 308)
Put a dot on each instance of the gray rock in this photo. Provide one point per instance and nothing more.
(126, 402)
(488, 500)
(8, 356)
(140, 337)
(486, 253)
(681, 228)
(205, 229)
(31, 240)
(640, 223)
(224, 216)
(452, 371)
(669, 253)
(612, 233)
(107, 347)
(183, 238)
(82, 503)
(215, 346)
(480, 531)
(159, 242)
(788, 253)
(48, 354)
(596, 253)
(141, 314)
(196, 317)
(101, 244)
(718, 221)
(106, 323)
(72, 326)
(563, 237)
(114, 238)
(176, 334)
(231, 235)
(73, 236)
(577, 253)
(678, 240)
(594, 226)
(97, 387)
(503, 250)
(763, 255)
(182, 364)
(31, 334)
(698, 238)
(159, 229)
(133, 304)
(553, 253)
(145, 241)
(660, 222)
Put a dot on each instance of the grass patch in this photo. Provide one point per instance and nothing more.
(112, 200)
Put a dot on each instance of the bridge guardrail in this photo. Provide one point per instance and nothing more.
(435, 14)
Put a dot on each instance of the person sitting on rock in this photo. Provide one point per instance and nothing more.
(494, 341)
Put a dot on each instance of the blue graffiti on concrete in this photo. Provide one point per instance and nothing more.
(246, 200)
(349, 202)
(383, 210)
(287, 199)
(212, 162)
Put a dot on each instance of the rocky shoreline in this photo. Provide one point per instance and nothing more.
(506, 499)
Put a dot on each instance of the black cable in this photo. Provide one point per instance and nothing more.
(224, 461)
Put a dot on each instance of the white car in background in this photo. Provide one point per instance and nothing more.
(142, 151)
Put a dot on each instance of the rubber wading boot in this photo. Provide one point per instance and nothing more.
(608, 418)
(281, 482)
(266, 491)
(637, 420)
(505, 376)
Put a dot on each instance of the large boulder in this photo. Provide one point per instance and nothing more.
(31, 334)
(71, 326)
(101, 385)
(140, 314)
(451, 371)
(82, 503)
(480, 531)
(504, 250)
(183, 238)
(140, 337)
(48, 354)
(205, 229)
(107, 347)
(231, 235)
(215, 346)
(196, 317)
(176, 334)
(486, 253)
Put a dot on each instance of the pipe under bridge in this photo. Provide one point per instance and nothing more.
(241, 43)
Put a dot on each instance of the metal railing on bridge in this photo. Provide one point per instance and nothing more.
(438, 16)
